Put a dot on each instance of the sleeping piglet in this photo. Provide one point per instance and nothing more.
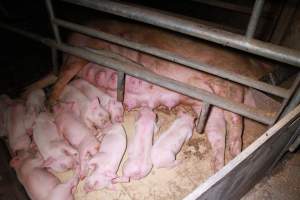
(164, 150)
(79, 136)
(90, 111)
(57, 153)
(106, 162)
(139, 164)
(109, 103)
(35, 103)
(38, 182)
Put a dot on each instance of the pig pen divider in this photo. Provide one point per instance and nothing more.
(109, 60)
(244, 43)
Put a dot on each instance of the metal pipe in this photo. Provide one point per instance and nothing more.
(281, 92)
(257, 10)
(294, 101)
(120, 86)
(163, 20)
(52, 17)
(205, 108)
(54, 53)
(137, 71)
(226, 5)
(285, 105)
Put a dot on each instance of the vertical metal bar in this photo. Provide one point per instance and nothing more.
(257, 10)
(120, 85)
(203, 117)
(54, 52)
(283, 109)
(292, 104)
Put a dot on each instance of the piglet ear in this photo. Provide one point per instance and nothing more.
(15, 162)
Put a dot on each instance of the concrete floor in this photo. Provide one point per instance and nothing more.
(282, 184)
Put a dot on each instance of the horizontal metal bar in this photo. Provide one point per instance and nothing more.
(278, 91)
(137, 71)
(156, 18)
(257, 10)
(226, 5)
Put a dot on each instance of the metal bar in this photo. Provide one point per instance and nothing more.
(52, 17)
(283, 109)
(226, 5)
(120, 86)
(203, 117)
(257, 10)
(176, 58)
(283, 21)
(137, 71)
(294, 101)
(150, 16)
(54, 53)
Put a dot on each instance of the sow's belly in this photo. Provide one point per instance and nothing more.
(140, 93)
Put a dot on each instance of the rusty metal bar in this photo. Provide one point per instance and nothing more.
(109, 60)
(257, 10)
(281, 92)
(188, 27)
(54, 53)
(120, 86)
(205, 108)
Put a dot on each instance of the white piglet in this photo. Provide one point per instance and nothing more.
(164, 150)
(106, 162)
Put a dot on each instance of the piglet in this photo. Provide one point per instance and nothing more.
(139, 164)
(106, 162)
(164, 150)
(38, 182)
(90, 111)
(110, 104)
(79, 136)
(57, 153)
(14, 122)
(35, 103)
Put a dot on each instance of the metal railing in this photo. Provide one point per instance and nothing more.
(123, 67)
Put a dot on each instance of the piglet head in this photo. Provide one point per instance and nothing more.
(116, 110)
(97, 114)
(98, 182)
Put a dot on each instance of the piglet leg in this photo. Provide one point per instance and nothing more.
(216, 132)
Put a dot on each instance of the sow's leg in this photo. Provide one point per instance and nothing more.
(72, 66)
(216, 132)
(234, 123)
